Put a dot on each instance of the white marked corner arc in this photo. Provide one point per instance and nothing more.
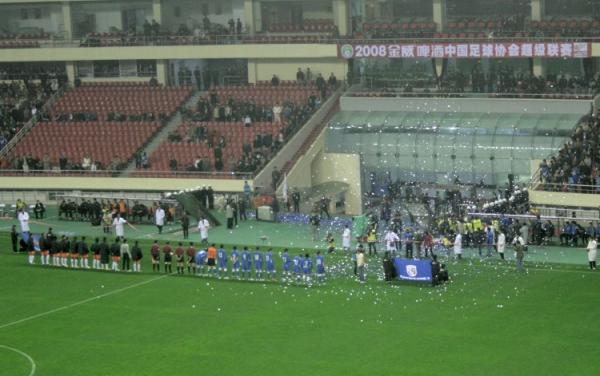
(25, 355)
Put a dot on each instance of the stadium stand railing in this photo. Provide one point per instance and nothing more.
(442, 94)
(106, 123)
(102, 141)
(122, 98)
(575, 167)
(299, 38)
(185, 149)
(139, 174)
(312, 136)
(288, 153)
(28, 40)
(29, 124)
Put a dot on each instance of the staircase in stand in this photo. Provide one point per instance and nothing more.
(312, 136)
(171, 126)
(27, 127)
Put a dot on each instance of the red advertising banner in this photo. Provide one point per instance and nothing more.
(467, 50)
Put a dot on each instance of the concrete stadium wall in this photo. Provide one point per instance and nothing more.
(233, 51)
(300, 176)
(285, 69)
(337, 167)
(49, 197)
(574, 200)
(558, 199)
(66, 52)
(108, 15)
(50, 17)
(263, 179)
(490, 105)
(317, 167)
(117, 184)
(190, 13)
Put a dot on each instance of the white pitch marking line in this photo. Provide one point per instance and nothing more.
(510, 265)
(33, 366)
(81, 302)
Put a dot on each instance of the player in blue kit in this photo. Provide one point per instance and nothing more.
(201, 262)
(297, 267)
(222, 261)
(270, 264)
(235, 262)
(286, 260)
(246, 263)
(258, 263)
(320, 261)
(306, 268)
(490, 239)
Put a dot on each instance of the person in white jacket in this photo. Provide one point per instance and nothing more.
(501, 244)
(458, 246)
(391, 239)
(23, 218)
(159, 218)
(592, 249)
(346, 238)
(203, 226)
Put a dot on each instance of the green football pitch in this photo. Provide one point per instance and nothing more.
(489, 320)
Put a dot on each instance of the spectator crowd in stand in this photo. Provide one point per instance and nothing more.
(503, 79)
(576, 164)
(152, 31)
(256, 153)
(68, 135)
(509, 81)
(19, 102)
(500, 26)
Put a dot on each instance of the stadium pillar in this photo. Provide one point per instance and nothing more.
(369, 10)
(439, 67)
(439, 14)
(70, 68)
(252, 73)
(537, 14)
(257, 15)
(157, 11)
(67, 21)
(341, 15)
(162, 71)
(537, 9)
(249, 16)
(539, 69)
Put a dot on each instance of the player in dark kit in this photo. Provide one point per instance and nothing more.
(74, 253)
(55, 252)
(104, 254)
(45, 244)
(65, 247)
(84, 251)
(155, 254)
(115, 252)
(185, 224)
(168, 252)
(191, 258)
(96, 254)
(179, 257)
(136, 255)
